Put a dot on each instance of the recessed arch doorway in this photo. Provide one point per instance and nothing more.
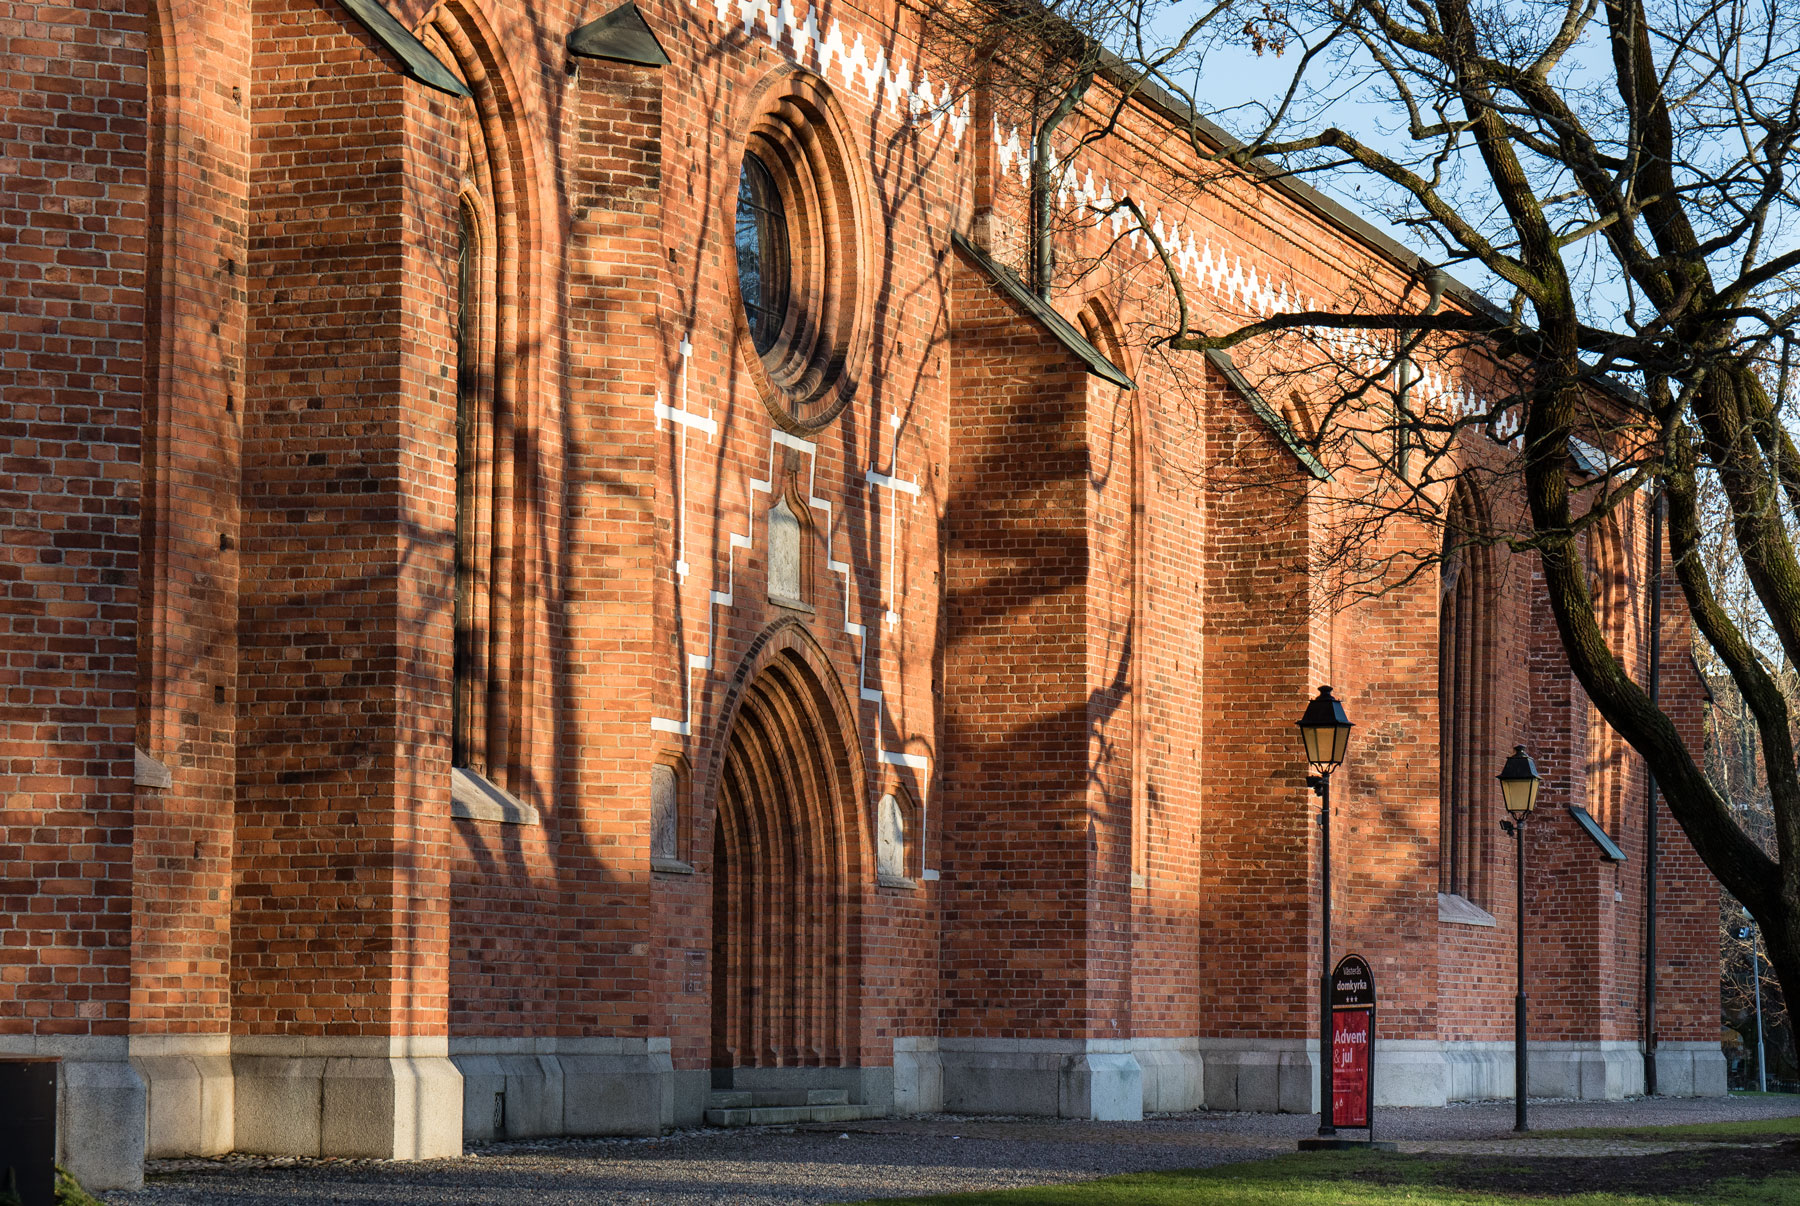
(788, 877)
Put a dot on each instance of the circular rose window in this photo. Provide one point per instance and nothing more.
(796, 229)
(762, 253)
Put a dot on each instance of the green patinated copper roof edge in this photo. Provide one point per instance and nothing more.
(623, 36)
(416, 60)
(1308, 459)
(1061, 328)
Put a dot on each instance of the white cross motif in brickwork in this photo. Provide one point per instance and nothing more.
(889, 590)
(895, 486)
(683, 419)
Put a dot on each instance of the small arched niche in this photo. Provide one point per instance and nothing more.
(787, 535)
(667, 831)
(893, 842)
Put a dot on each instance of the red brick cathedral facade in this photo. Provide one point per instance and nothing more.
(551, 568)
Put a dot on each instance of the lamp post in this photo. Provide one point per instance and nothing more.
(1519, 791)
(1325, 732)
(1747, 931)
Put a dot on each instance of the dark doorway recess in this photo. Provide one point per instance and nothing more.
(787, 881)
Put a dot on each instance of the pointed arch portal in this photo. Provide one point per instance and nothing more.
(787, 880)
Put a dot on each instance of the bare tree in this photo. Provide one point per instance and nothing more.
(1734, 763)
(1616, 175)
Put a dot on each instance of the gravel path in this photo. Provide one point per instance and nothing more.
(888, 1157)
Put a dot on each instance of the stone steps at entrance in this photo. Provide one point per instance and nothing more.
(746, 1098)
(778, 1115)
(737, 1099)
(761, 1107)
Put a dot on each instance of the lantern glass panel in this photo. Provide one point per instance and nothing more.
(1325, 732)
(1519, 782)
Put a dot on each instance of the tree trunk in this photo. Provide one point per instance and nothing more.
(1767, 888)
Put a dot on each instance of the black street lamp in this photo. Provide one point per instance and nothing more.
(1747, 933)
(1519, 784)
(1325, 732)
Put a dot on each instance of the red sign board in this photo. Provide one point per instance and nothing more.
(1352, 1042)
(1350, 1066)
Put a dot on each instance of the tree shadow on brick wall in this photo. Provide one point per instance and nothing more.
(881, 432)
(526, 892)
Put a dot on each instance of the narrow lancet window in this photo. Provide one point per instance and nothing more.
(1463, 688)
(465, 659)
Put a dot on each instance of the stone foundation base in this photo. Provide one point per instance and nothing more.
(1478, 1071)
(1412, 1072)
(1281, 1075)
(519, 1088)
(101, 1104)
(191, 1093)
(1596, 1071)
(1174, 1074)
(983, 1074)
(693, 1089)
(381, 1098)
(1690, 1069)
(120, 1100)
(1265, 1075)
(1098, 1079)
(918, 1076)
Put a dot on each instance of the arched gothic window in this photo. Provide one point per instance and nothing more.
(797, 215)
(1605, 561)
(1464, 711)
(492, 369)
(468, 665)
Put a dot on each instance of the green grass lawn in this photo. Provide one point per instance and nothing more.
(1750, 1129)
(1708, 1177)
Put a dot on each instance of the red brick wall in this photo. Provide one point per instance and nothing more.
(72, 269)
(1168, 645)
(1113, 740)
(198, 124)
(340, 921)
(1022, 841)
(1257, 834)
(577, 366)
(1687, 966)
(1383, 660)
(1099, 640)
